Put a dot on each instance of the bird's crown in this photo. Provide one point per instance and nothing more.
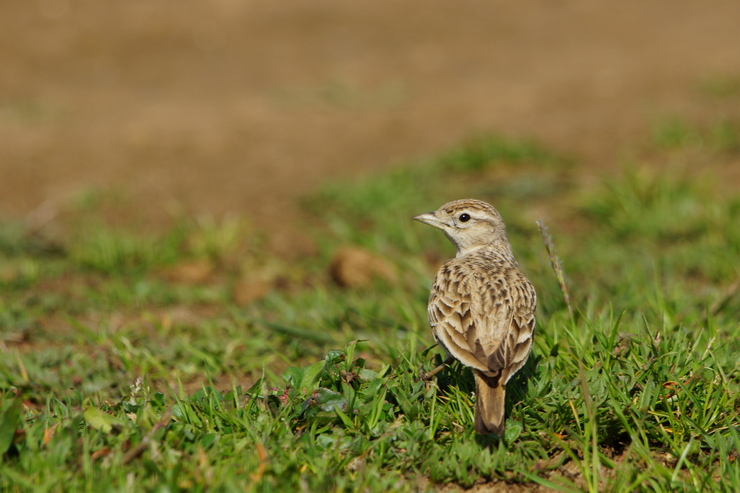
(469, 205)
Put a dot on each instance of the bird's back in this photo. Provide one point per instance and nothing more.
(481, 309)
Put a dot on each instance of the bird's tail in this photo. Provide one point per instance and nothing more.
(490, 397)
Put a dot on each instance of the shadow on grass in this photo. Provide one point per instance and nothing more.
(461, 377)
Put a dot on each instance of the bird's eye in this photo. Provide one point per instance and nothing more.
(464, 217)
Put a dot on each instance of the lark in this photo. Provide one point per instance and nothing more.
(481, 307)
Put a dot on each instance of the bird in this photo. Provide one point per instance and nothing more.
(481, 307)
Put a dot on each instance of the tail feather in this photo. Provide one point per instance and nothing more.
(490, 403)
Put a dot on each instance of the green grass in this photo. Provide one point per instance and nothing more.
(118, 374)
(722, 136)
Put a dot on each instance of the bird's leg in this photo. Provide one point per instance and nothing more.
(428, 376)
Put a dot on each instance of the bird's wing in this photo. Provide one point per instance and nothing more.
(508, 353)
(483, 317)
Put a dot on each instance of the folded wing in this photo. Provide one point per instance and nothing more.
(484, 317)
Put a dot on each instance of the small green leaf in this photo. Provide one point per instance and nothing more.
(328, 400)
(311, 376)
(366, 374)
(512, 431)
(159, 399)
(349, 352)
(101, 420)
(10, 421)
(325, 441)
(293, 376)
(334, 356)
(208, 440)
(345, 419)
(377, 409)
(178, 412)
(348, 392)
(554, 350)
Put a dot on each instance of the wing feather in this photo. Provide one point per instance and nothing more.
(481, 310)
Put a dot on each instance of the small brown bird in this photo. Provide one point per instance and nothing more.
(481, 307)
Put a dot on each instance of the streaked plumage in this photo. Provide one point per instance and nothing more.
(481, 307)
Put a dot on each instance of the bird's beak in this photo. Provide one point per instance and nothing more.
(431, 219)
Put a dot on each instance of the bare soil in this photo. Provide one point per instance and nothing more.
(242, 106)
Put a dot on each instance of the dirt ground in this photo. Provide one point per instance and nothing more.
(243, 106)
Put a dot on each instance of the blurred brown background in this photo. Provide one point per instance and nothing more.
(244, 105)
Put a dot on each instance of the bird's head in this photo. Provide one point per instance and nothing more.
(469, 224)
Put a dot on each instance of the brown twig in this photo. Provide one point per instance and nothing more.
(555, 263)
(144, 444)
(262, 454)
